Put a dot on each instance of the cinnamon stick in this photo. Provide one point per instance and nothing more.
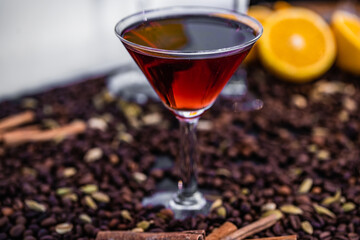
(224, 230)
(128, 235)
(22, 136)
(16, 120)
(291, 237)
(252, 228)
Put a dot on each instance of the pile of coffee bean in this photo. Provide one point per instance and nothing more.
(297, 157)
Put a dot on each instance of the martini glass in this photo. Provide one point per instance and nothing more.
(188, 54)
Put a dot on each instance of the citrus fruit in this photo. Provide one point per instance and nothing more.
(281, 5)
(297, 45)
(346, 27)
(260, 13)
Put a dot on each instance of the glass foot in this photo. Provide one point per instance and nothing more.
(196, 204)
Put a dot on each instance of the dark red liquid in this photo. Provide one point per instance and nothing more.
(188, 83)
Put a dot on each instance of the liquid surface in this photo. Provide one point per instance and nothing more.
(189, 33)
(188, 83)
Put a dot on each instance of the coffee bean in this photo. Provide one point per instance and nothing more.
(3, 236)
(295, 222)
(29, 238)
(34, 227)
(89, 229)
(48, 222)
(284, 190)
(278, 229)
(257, 161)
(21, 220)
(113, 223)
(17, 230)
(28, 232)
(47, 237)
(354, 236)
(3, 221)
(42, 232)
(6, 211)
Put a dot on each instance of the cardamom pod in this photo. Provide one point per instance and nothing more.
(277, 213)
(221, 212)
(323, 155)
(305, 186)
(126, 215)
(69, 172)
(143, 225)
(223, 172)
(35, 206)
(217, 203)
(332, 199)
(85, 218)
(93, 155)
(348, 207)
(63, 228)
(296, 171)
(100, 197)
(245, 191)
(323, 211)
(291, 209)
(89, 188)
(139, 177)
(63, 191)
(137, 230)
(268, 207)
(72, 196)
(90, 202)
(306, 227)
(29, 171)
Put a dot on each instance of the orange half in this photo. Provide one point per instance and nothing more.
(346, 27)
(297, 45)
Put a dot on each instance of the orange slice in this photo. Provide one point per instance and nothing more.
(260, 13)
(346, 27)
(297, 45)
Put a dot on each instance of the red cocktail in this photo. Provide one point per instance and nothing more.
(188, 54)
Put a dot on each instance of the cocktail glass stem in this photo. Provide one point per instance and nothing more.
(188, 196)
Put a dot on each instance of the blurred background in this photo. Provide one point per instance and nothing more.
(46, 42)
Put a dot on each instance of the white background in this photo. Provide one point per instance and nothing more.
(48, 42)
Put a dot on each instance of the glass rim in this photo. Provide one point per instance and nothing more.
(120, 27)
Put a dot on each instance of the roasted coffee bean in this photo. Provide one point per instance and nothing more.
(6, 211)
(42, 232)
(354, 236)
(48, 222)
(295, 222)
(3, 221)
(284, 154)
(29, 238)
(89, 229)
(278, 229)
(325, 235)
(3, 236)
(17, 230)
(21, 220)
(47, 237)
(28, 232)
